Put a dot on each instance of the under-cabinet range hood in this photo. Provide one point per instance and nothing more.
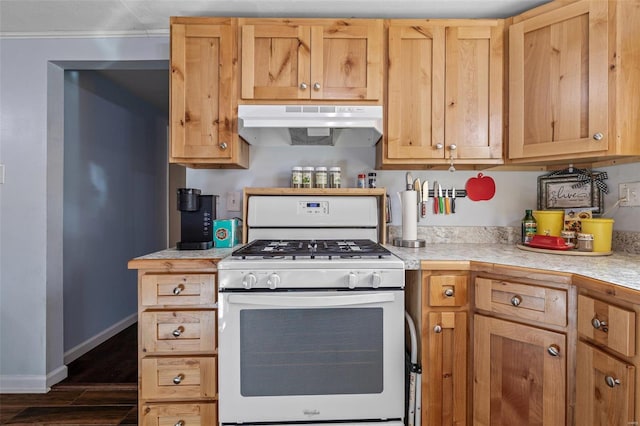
(329, 125)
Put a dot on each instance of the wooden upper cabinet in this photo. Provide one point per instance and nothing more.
(322, 59)
(203, 94)
(571, 72)
(445, 88)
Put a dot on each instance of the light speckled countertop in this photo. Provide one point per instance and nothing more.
(620, 268)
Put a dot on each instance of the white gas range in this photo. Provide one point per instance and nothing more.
(311, 314)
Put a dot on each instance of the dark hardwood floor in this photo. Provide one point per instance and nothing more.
(101, 389)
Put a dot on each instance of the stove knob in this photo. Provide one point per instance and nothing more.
(376, 279)
(248, 281)
(273, 281)
(352, 280)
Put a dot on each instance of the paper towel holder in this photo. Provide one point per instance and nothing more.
(399, 242)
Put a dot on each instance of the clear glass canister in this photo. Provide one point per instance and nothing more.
(296, 177)
(335, 177)
(307, 177)
(585, 242)
(569, 237)
(321, 177)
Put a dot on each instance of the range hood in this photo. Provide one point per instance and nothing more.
(329, 125)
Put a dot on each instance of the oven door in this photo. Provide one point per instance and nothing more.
(311, 356)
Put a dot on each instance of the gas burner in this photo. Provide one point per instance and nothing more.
(312, 249)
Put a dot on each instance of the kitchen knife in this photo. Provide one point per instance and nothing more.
(447, 202)
(435, 197)
(425, 198)
(453, 200)
(440, 200)
(409, 179)
(417, 187)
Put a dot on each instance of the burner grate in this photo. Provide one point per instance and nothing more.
(351, 249)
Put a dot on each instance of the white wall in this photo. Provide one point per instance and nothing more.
(31, 346)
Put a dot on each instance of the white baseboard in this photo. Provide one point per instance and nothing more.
(56, 376)
(24, 383)
(84, 347)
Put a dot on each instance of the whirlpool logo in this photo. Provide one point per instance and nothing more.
(311, 412)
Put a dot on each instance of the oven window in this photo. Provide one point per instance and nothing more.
(324, 351)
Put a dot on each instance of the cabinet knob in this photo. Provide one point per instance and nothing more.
(223, 145)
(178, 379)
(303, 86)
(598, 136)
(453, 147)
(516, 300)
(554, 350)
(316, 86)
(177, 290)
(599, 325)
(612, 382)
(448, 292)
(439, 146)
(179, 423)
(437, 328)
(178, 331)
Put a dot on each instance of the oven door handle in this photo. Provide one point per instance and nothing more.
(314, 301)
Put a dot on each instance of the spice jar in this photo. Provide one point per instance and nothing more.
(321, 177)
(307, 177)
(296, 177)
(335, 177)
(585, 242)
(362, 180)
(569, 237)
(372, 180)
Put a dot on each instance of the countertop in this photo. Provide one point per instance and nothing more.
(619, 268)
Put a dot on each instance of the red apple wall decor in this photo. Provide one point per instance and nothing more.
(480, 188)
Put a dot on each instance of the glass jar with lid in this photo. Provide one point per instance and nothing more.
(335, 177)
(321, 177)
(307, 177)
(585, 242)
(296, 177)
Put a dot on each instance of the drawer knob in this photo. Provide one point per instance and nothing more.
(554, 350)
(599, 325)
(437, 328)
(448, 292)
(179, 423)
(178, 331)
(598, 136)
(612, 382)
(516, 300)
(223, 145)
(178, 379)
(177, 290)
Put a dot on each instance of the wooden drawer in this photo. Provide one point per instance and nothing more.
(178, 378)
(607, 325)
(174, 414)
(177, 289)
(447, 290)
(522, 301)
(178, 331)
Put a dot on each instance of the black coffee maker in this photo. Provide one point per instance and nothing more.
(197, 213)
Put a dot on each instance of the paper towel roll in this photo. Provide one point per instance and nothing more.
(409, 215)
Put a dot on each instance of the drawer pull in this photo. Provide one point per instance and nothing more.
(178, 331)
(599, 325)
(178, 379)
(612, 382)
(179, 423)
(554, 350)
(178, 290)
(448, 292)
(437, 328)
(516, 300)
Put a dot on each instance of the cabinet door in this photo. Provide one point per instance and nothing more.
(275, 61)
(558, 82)
(415, 106)
(444, 379)
(201, 92)
(473, 112)
(605, 388)
(520, 374)
(346, 60)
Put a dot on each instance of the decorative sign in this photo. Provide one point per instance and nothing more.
(569, 192)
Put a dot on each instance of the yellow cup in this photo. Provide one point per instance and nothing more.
(550, 222)
(602, 230)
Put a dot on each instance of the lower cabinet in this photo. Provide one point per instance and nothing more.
(178, 414)
(605, 388)
(520, 374)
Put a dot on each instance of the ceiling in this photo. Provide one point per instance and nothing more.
(67, 18)
(99, 18)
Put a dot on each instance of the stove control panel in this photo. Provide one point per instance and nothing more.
(315, 208)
